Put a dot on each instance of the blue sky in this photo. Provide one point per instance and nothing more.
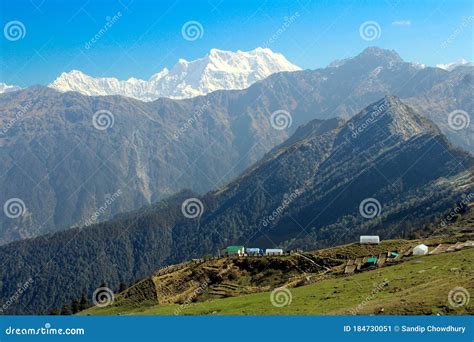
(147, 36)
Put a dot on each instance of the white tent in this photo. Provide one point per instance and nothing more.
(273, 251)
(369, 239)
(420, 250)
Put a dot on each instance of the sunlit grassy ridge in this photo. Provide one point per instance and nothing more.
(420, 285)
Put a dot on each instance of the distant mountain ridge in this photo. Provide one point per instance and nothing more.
(219, 70)
(5, 88)
(453, 65)
(306, 193)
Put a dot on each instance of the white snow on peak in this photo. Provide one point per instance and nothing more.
(217, 70)
(453, 65)
(5, 88)
(418, 65)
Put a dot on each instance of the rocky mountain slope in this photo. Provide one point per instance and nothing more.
(311, 192)
(58, 147)
(450, 106)
(64, 165)
(217, 70)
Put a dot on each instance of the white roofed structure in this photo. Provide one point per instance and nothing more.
(273, 251)
(369, 239)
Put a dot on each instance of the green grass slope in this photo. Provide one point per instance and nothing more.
(419, 285)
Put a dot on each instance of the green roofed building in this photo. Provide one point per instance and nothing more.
(234, 251)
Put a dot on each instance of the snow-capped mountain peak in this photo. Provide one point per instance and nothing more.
(217, 70)
(453, 65)
(5, 88)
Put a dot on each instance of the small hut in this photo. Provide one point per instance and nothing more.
(369, 239)
(234, 251)
(273, 251)
(254, 251)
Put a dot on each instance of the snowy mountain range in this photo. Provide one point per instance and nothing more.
(5, 88)
(217, 70)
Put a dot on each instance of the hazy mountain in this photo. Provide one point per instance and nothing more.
(65, 170)
(453, 65)
(218, 70)
(64, 167)
(5, 88)
(451, 106)
(305, 193)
